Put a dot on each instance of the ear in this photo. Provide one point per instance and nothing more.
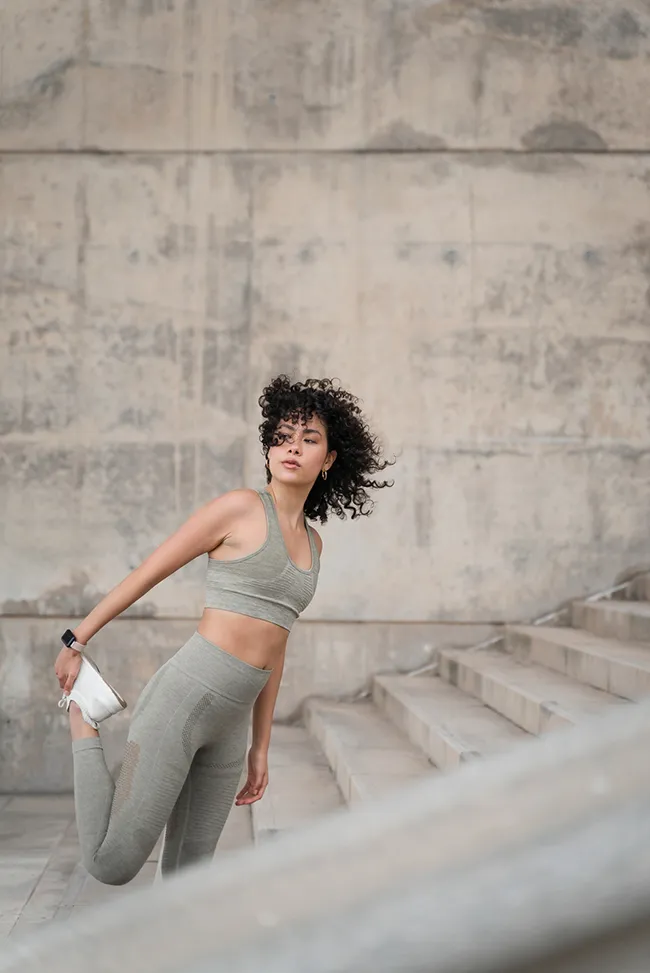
(332, 457)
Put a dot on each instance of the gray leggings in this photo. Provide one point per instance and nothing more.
(181, 768)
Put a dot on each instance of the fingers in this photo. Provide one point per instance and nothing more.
(70, 680)
(66, 671)
(253, 785)
(244, 795)
(244, 790)
(251, 799)
(251, 792)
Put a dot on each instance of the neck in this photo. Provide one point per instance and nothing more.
(289, 501)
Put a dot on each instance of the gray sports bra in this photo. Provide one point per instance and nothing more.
(265, 584)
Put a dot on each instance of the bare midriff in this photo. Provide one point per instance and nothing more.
(254, 640)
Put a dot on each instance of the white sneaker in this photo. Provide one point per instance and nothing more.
(96, 698)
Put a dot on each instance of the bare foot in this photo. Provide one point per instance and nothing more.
(79, 729)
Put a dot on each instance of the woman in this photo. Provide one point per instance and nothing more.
(188, 734)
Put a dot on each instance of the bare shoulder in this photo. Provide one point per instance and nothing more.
(242, 497)
(235, 503)
(318, 540)
(227, 513)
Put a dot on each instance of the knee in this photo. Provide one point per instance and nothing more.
(111, 872)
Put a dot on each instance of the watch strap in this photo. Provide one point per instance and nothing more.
(69, 639)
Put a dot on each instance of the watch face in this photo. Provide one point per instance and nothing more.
(68, 637)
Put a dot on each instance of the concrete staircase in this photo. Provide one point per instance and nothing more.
(552, 834)
(480, 703)
(538, 855)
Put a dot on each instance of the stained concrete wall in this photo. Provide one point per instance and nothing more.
(446, 205)
(252, 75)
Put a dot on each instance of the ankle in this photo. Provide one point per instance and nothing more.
(79, 729)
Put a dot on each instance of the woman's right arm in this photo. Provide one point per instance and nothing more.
(203, 531)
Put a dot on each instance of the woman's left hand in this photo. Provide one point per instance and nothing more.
(258, 778)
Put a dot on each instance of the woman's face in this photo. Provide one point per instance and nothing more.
(301, 452)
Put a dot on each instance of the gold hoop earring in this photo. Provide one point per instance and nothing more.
(324, 474)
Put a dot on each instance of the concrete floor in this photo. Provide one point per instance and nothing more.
(41, 877)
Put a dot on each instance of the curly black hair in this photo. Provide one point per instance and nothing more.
(358, 450)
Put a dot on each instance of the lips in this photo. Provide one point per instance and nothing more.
(291, 465)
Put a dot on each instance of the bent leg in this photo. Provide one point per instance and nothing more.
(206, 799)
(119, 823)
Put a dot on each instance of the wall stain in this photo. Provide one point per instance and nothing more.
(168, 245)
(182, 178)
(560, 25)
(423, 504)
(563, 136)
(223, 368)
(593, 258)
(37, 95)
(621, 36)
(546, 163)
(639, 250)
(238, 250)
(472, 345)
(406, 249)
(401, 136)
(77, 598)
(149, 8)
(287, 357)
(309, 253)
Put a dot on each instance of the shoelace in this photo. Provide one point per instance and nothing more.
(65, 701)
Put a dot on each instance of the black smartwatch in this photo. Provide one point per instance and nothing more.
(70, 639)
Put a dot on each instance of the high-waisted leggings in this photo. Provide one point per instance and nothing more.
(181, 768)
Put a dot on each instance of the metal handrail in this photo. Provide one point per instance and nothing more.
(541, 620)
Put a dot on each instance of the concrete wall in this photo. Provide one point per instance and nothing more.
(446, 205)
(169, 75)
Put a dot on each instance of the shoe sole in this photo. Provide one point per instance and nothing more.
(120, 700)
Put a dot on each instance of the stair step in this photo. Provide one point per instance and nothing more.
(237, 832)
(301, 784)
(368, 754)
(449, 726)
(622, 668)
(628, 621)
(533, 697)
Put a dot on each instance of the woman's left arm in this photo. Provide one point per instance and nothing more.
(264, 707)
(258, 767)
